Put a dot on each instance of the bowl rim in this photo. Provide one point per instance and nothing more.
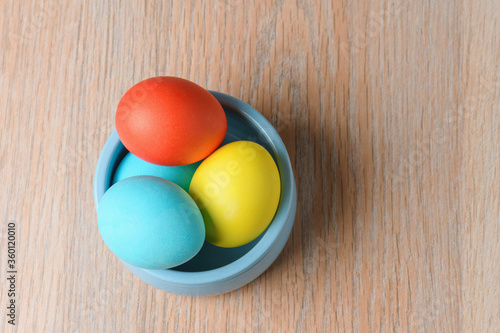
(262, 248)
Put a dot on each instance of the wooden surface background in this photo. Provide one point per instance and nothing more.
(390, 111)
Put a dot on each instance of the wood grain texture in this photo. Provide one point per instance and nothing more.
(390, 110)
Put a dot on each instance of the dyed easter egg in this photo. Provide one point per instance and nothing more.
(237, 189)
(132, 166)
(150, 222)
(170, 121)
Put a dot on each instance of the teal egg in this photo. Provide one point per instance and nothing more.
(150, 222)
(132, 165)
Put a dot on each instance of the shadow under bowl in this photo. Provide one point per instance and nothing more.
(215, 270)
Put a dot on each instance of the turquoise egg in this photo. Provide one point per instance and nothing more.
(150, 222)
(132, 165)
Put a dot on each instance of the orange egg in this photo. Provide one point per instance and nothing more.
(170, 121)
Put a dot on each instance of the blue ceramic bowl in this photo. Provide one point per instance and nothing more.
(217, 270)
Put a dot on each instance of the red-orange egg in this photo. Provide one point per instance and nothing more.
(170, 121)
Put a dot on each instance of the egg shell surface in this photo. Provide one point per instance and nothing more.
(150, 222)
(170, 121)
(132, 165)
(237, 189)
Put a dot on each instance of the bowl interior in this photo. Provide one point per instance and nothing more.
(240, 127)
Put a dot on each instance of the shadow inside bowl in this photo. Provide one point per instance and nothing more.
(212, 257)
(240, 127)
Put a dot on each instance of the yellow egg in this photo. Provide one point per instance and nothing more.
(237, 189)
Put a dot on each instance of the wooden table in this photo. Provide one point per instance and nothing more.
(390, 111)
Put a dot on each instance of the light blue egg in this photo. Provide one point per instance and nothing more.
(150, 222)
(132, 165)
